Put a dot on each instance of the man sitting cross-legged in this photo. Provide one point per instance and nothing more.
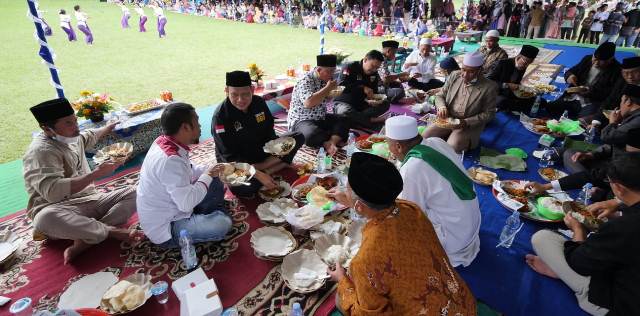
(173, 193)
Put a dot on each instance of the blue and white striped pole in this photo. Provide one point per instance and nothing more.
(370, 26)
(45, 51)
(323, 22)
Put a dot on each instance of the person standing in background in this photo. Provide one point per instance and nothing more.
(597, 24)
(537, 19)
(613, 24)
(630, 28)
(568, 16)
(585, 27)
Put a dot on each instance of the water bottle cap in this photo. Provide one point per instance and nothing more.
(588, 185)
(184, 233)
(296, 305)
(595, 122)
(20, 305)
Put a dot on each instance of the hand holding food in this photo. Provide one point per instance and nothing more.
(537, 188)
(604, 209)
(266, 180)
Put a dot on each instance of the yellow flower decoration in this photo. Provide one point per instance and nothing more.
(86, 93)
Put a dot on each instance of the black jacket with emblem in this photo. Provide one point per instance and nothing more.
(354, 80)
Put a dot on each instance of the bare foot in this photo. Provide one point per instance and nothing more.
(539, 266)
(74, 250)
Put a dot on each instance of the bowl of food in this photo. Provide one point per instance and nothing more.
(448, 122)
(127, 294)
(482, 176)
(550, 208)
(336, 92)
(551, 174)
(280, 146)
(524, 92)
(118, 152)
(237, 173)
(376, 99)
(299, 192)
(283, 189)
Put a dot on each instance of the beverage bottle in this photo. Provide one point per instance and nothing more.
(510, 230)
(296, 310)
(321, 164)
(536, 107)
(351, 145)
(585, 195)
(565, 115)
(592, 132)
(188, 251)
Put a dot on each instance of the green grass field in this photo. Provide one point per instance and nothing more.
(132, 66)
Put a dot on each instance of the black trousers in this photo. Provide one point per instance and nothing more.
(360, 118)
(575, 109)
(594, 37)
(515, 104)
(565, 32)
(316, 132)
(584, 34)
(394, 92)
(248, 191)
(432, 84)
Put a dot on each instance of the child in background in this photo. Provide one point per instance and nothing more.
(585, 27)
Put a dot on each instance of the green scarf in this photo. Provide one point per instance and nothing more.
(460, 182)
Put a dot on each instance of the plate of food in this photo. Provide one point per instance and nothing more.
(305, 185)
(579, 89)
(144, 106)
(550, 208)
(377, 99)
(304, 271)
(280, 146)
(482, 176)
(127, 295)
(117, 152)
(579, 212)
(274, 212)
(535, 125)
(551, 174)
(448, 122)
(334, 248)
(524, 92)
(514, 196)
(283, 189)
(336, 92)
(544, 88)
(237, 173)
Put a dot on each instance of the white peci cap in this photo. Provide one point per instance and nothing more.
(401, 127)
(492, 33)
(473, 59)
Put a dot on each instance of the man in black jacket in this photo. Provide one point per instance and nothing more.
(508, 74)
(630, 75)
(361, 81)
(603, 269)
(595, 76)
(596, 175)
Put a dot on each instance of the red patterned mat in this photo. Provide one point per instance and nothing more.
(253, 286)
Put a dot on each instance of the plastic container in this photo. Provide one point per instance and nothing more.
(21, 307)
(188, 251)
(159, 291)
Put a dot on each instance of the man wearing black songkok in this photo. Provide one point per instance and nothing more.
(508, 74)
(396, 235)
(63, 202)
(241, 127)
(594, 76)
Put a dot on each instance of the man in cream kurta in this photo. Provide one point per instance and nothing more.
(63, 202)
(430, 182)
(469, 97)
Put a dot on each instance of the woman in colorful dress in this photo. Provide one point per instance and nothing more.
(143, 18)
(568, 16)
(126, 15)
(554, 15)
(65, 24)
(162, 20)
(81, 18)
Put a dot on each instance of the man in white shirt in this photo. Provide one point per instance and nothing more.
(175, 195)
(435, 179)
(421, 66)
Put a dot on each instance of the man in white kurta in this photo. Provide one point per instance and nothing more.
(438, 183)
(421, 66)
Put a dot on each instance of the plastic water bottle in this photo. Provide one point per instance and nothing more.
(187, 250)
(296, 310)
(590, 136)
(230, 312)
(351, 145)
(510, 229)
(565, 115)
(321, 164)
(585, 195)
(535, 107)
(547, 158)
